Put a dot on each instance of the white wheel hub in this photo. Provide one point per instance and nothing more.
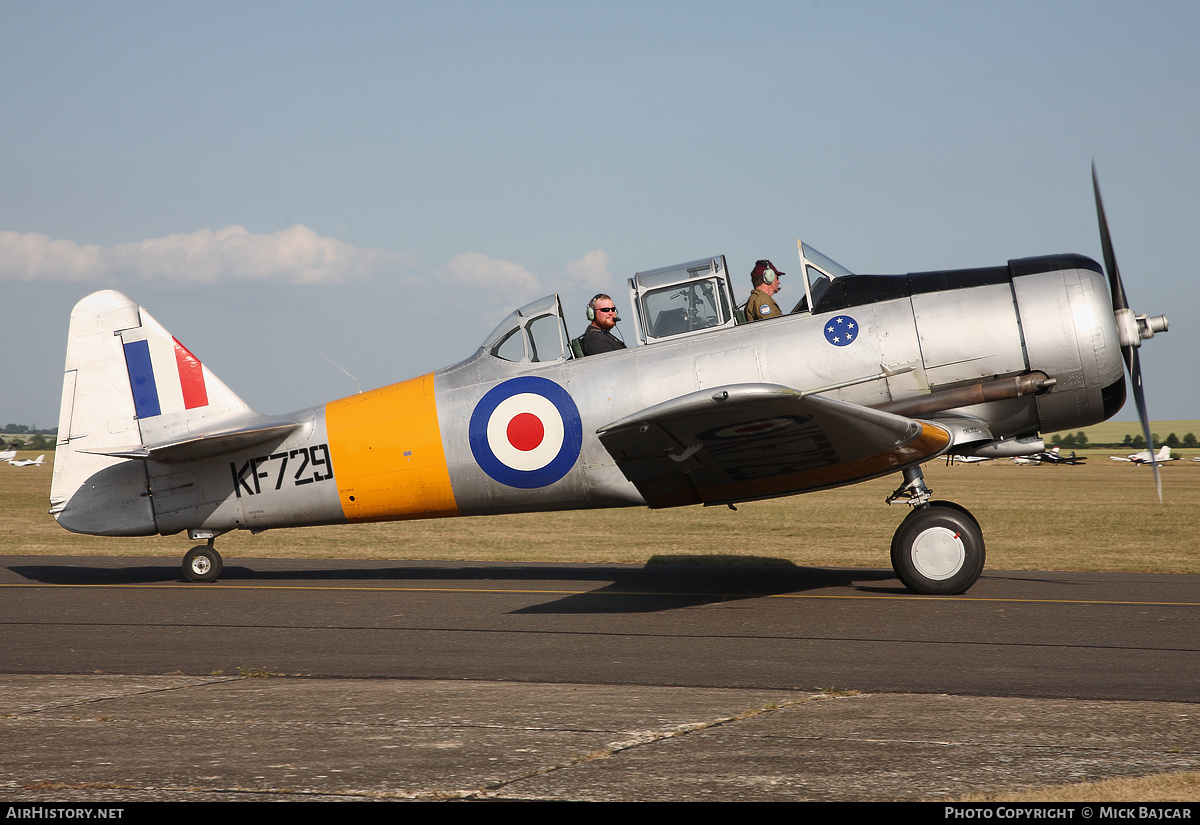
(938, 553)
(201, 565)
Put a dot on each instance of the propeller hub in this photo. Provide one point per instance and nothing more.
(1128, 328)
(1147, 326)
(1133, 329)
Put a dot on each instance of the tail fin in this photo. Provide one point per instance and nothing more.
(128, 385)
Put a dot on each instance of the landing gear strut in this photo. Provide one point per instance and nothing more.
(938, 549)
(202, 563)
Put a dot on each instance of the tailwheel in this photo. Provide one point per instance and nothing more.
(202, 564)
(938, 550)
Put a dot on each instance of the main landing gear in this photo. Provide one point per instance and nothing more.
(938, 549)
(202, 563)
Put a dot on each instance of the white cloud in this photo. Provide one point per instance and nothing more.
(33, 257)
(477, 271)
(473, 273)
(590, 272)
(480, 272)
(295, 255)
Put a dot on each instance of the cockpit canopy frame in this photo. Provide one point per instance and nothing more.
(682, 300)
(819, 272)
(535, 333)
(670, 302)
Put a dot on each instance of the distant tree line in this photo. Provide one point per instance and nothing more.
(28, 438)
(35, 442)
(19, 429)
(1079, 439)
(1173, 441)
(1132, 442)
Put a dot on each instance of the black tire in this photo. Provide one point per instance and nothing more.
(938, 550)
(202, 564)
(959, 508)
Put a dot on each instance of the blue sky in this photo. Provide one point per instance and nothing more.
(384, 181)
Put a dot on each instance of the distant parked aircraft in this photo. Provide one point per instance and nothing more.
(1054, 456)
(1144, 456)
(952, 459)
(28, 462)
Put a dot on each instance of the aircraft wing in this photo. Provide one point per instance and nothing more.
(749, 441)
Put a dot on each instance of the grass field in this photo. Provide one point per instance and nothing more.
(1103, 516)
(1114, 432)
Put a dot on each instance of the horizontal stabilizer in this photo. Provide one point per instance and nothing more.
(204, 445)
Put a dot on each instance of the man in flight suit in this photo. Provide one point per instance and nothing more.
(761, 305)
(598, 337)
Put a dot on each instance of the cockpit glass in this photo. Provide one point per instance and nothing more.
(502, 330)
(829, 265)
(820, 271)
(544, 338)
(683, 308)
(511, 347)
(535, 332)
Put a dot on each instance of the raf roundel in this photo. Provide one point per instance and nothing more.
(750, 429)
(526, 432)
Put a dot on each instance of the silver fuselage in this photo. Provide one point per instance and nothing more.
(406, 451)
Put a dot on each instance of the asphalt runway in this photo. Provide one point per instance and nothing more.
(1081, 635)
(652, 655)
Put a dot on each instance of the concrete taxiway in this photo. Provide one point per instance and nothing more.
(137, 738)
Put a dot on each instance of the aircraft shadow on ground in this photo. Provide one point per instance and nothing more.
(665, 583)
(669, 583)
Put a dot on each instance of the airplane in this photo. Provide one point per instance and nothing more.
(1051, 456)
(28, 462)
(1147, 457)
(867, 376)
(9, 454)
(1054, 456)
(952, 459)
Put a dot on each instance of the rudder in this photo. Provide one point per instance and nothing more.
(128, 384)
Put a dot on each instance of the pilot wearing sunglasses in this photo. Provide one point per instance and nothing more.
(598, 337)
